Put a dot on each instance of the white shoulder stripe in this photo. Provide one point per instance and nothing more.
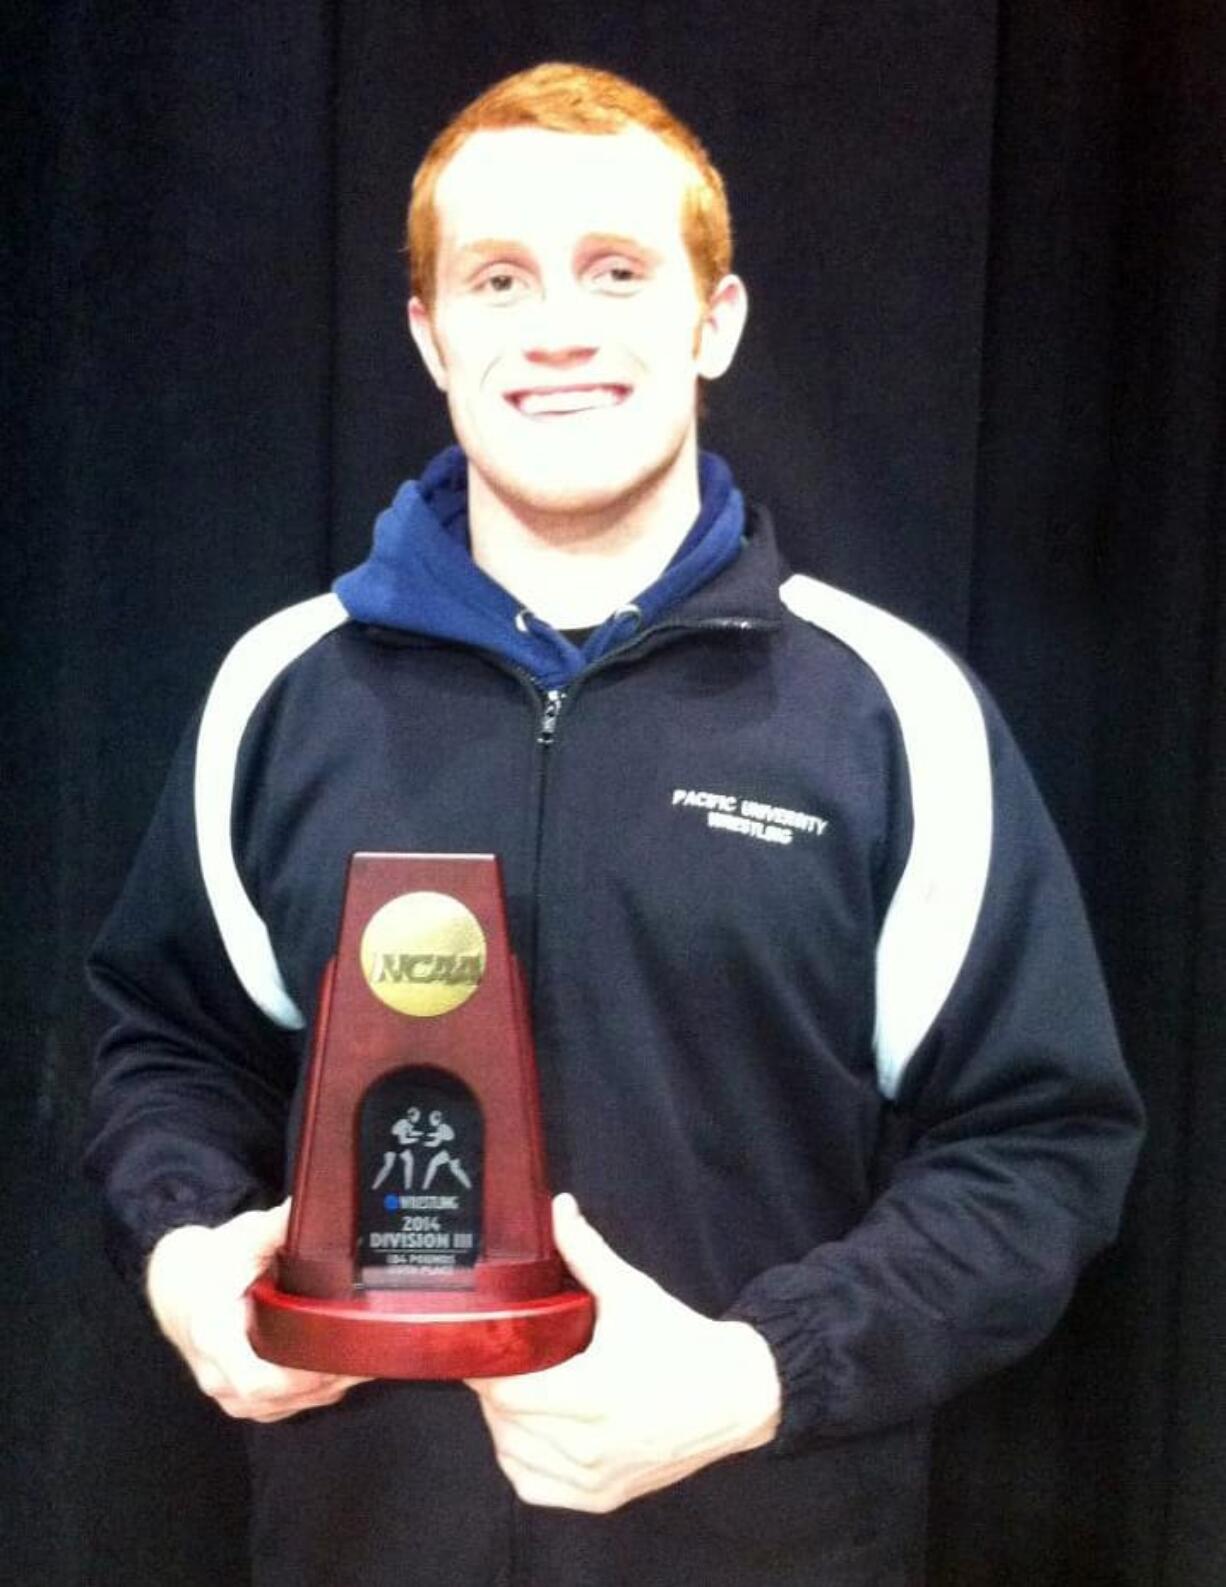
(931, 918)
(243, 679)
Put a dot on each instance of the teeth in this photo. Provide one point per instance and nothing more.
(537, 402)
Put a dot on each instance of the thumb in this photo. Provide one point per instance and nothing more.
(591, 1259)
(264, 1232)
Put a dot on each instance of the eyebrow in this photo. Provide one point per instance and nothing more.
(614, 242)
(489, 247)
(508, 247)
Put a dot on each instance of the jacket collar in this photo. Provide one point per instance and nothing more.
(745, 595)
(419, 577)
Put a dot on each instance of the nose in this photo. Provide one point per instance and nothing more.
(560, 333)
(550, 356)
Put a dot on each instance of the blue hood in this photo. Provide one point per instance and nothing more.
(420, 577)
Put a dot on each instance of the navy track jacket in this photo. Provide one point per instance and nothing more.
(822, 1038)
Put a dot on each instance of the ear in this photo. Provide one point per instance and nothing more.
(421, 329)
(719, 330)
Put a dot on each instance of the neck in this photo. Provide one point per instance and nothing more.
(573, 568)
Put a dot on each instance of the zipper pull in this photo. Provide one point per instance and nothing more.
(549, 715)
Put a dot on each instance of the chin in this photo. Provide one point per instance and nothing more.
(578, 497)
(575, 479)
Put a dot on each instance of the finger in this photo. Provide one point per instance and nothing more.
(218, 1333)
(225, 1381)
(252, 1374)
(274, 1401)
(570, 1451)
(554, 1438)
(549, 1492)
(589, 1257)
(562, 1391)
(224, 1360)
(262, 1233)
(274, 1410)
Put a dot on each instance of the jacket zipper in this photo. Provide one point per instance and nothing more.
(550, 707)
(553, 700)
(550, 703)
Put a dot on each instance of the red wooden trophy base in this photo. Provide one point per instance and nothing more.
(420, 1242)
(371, 1337)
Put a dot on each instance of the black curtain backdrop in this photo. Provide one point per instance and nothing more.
(982, 384)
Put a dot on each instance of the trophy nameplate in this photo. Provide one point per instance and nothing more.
(419, 1241)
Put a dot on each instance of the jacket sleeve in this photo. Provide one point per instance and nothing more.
(192, 1082)
(1023, 1130)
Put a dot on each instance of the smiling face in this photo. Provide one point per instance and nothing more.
(566, 329)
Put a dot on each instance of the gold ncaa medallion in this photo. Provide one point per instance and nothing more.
(423, 954)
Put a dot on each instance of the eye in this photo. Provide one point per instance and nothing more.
(617, 274)
(502, 284)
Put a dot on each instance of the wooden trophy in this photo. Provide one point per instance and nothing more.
(420, 1242)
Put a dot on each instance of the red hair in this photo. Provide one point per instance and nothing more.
(565, 98)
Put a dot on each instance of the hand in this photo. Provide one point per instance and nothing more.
(660, 1392)
(196, 1283)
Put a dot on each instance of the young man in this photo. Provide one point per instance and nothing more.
(824, 1050)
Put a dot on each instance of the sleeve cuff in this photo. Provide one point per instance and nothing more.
(800, 1361)
(130, 1241)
